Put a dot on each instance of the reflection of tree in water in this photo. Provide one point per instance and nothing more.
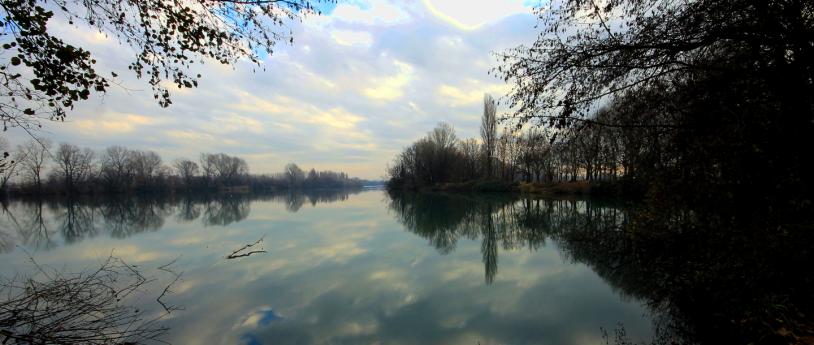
(7, 221)
(28, 221)
(226, 210)
(124, 217)
(294, 200)
(707, 277)
(716, 278)
(76, 221)
(189, 210)
(499, 221)
(36, 223)
(327, 196)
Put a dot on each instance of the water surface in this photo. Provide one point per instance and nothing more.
(347, 267)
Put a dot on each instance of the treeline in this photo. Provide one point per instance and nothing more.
(39, 167)
(713, 100)
(703, 102)
(533, 154)
(718, 136)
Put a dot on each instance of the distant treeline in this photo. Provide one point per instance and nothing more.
(37, 167)
(533, 154)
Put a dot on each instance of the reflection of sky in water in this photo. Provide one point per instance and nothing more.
(344, 273)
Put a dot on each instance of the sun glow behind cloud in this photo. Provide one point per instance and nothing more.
(471, 15)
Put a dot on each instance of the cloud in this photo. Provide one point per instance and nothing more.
(348, 272)
(374, 12)
(113, 123)
(188, 135)
(465, 15)
(286, 113)
(471, 93)
(351, 37)
(391, 87)
(358, 85)
(336, 117)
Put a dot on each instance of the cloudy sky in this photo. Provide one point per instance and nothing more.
(360, 82)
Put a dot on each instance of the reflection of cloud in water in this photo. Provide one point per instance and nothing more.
(131, 253)
(398, 291)
(352, 274)
(259, 317)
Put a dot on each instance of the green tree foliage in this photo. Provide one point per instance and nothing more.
(41, 76)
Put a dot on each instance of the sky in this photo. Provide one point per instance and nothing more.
(360, 83)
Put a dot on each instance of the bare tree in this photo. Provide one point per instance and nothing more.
(508, 154)
(9, 164)
(74, 164)
(230, 169)
(443, 136)
(294, 175)
(488, 133)
(471, 151)
(146, 166)
(442, 151)
(187, 170)
(117, 167)
(208, 167)
(37, 153)
(223, 169)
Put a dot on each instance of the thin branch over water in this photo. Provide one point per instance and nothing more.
(246, 250)
(91, 307)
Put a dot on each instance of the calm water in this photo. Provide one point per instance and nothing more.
(348, 268)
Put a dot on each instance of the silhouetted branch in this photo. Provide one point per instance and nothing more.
(167, 290)
(237, 253)
(77, 308)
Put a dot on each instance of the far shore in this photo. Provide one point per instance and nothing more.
(617, 188)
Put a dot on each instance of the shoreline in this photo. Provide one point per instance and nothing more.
(616, 189)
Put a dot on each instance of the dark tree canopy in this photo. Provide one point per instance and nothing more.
(589, 51)
(42, 76)
(717, 95)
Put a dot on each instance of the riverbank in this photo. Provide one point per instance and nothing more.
(618, 188)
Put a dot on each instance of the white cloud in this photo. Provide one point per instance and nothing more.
(356, 87)
(352, 37)
(336, 117)
(373, 12)
(234, 122)
(466, 15)
(113, 123)
(391, 87)
(471, 93)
